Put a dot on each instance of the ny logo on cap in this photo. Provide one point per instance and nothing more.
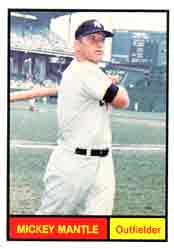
(97, 24)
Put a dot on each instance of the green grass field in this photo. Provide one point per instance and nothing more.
(140, 175)
(127, 127)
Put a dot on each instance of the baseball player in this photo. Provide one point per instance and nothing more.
(79, 178)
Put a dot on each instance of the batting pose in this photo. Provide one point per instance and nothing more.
(79, 178)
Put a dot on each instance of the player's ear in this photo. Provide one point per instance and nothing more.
(76, 45)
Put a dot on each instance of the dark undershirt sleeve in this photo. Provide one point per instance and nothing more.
(110, 94)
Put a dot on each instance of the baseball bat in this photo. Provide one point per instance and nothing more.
(33, 93)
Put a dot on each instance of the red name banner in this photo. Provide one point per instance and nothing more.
(58, 228)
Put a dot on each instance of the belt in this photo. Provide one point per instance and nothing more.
(92, 152)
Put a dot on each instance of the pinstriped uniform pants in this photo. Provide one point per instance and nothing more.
(78, 185)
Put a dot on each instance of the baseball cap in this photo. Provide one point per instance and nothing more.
(90, 27)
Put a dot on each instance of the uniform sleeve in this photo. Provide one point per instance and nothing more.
(96, 83)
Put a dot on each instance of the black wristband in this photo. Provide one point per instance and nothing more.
(111, 93)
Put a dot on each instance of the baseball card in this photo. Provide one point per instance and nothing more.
(87, 125)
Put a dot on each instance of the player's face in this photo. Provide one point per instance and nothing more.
(92, 47)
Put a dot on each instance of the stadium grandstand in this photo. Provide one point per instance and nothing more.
(44, 42)
(37, 55)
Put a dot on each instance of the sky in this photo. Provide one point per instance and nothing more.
(148, 21)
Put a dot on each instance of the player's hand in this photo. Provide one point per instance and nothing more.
(115, 78)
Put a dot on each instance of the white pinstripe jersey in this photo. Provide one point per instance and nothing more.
(82, 121)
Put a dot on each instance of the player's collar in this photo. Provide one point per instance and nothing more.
(85, 63)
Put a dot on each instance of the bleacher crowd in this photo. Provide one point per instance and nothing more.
(47, 41)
